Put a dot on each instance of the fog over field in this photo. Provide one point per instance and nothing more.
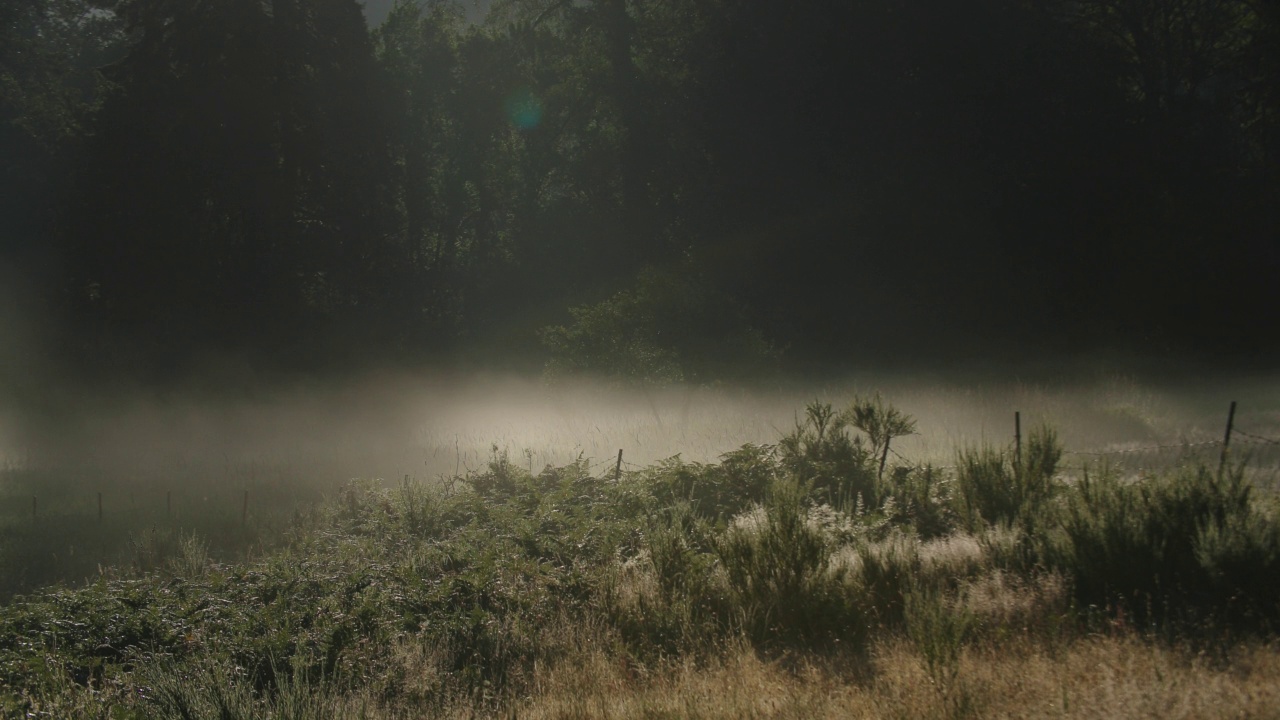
(432, 426)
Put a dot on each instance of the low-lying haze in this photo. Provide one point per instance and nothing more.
(432, 426)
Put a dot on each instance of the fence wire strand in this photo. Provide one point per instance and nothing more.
(1143, 449)
(1258, 439)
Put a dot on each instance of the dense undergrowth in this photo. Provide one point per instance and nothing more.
(465, 597)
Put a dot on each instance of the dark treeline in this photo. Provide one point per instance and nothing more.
(704, 181)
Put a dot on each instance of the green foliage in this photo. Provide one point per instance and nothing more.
(939, 629)
(676, 542)
(1180, 550)
(376, 192)
(834, 464)
(688, 613)
(49, 85)
(922, 498)
(191, 558)
(880, 423)
(716, 491)
(1239, 555)
(668, 328)
(993, 489)
(212, 691)
(886, 573)
(778, 566)
(252, 182)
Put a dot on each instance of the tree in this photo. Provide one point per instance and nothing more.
(49, 90)
(232, 198)
(668, 328)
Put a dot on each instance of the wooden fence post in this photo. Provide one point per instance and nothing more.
(1017, 441)
(1226, 439)
(617, 470)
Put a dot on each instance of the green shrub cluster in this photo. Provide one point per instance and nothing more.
(998, 487)
(1190, 549)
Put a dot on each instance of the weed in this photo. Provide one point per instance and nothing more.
(191, 558)
(833, 464)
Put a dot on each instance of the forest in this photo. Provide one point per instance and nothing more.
(693, 190)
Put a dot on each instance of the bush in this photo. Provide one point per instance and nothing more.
(881, 424)
(666, 600)
(887, 573)
(921, 497)
(837, 467)
(1186, 549)
(716, 492)
(938, 628)
(1240, 557)
(994, 489)
(669, 327)
(778, 566)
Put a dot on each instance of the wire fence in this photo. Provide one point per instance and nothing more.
(1233, 436)
(612, 467)
(1256, 439)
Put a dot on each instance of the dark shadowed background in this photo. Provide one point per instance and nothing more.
(692, 191)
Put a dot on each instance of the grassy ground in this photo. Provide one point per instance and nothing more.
(787, 580)
(1095, 677)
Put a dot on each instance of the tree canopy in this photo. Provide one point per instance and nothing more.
(850, 181)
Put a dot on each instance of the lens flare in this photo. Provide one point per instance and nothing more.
(524, 109)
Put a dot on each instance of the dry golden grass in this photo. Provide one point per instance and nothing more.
(1020, 664)
(1093, 678)
(1101, 677)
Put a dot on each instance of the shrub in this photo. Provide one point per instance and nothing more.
(887, 572)
(665, 601)
(716, 492)
(1240, 557)
(502, 477)
(938, 628)
(680, 562)
(668, 327)
(192, 556)
(836, 466)
(778, 566)
(881, 424)
(994, 489)
(921, 497)
(1185, 549)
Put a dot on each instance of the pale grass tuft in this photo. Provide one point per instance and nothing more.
(959, 554)
(634, 582)
(754, 520)
(1004, 600)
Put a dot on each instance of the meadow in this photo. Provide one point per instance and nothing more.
(875, 547)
